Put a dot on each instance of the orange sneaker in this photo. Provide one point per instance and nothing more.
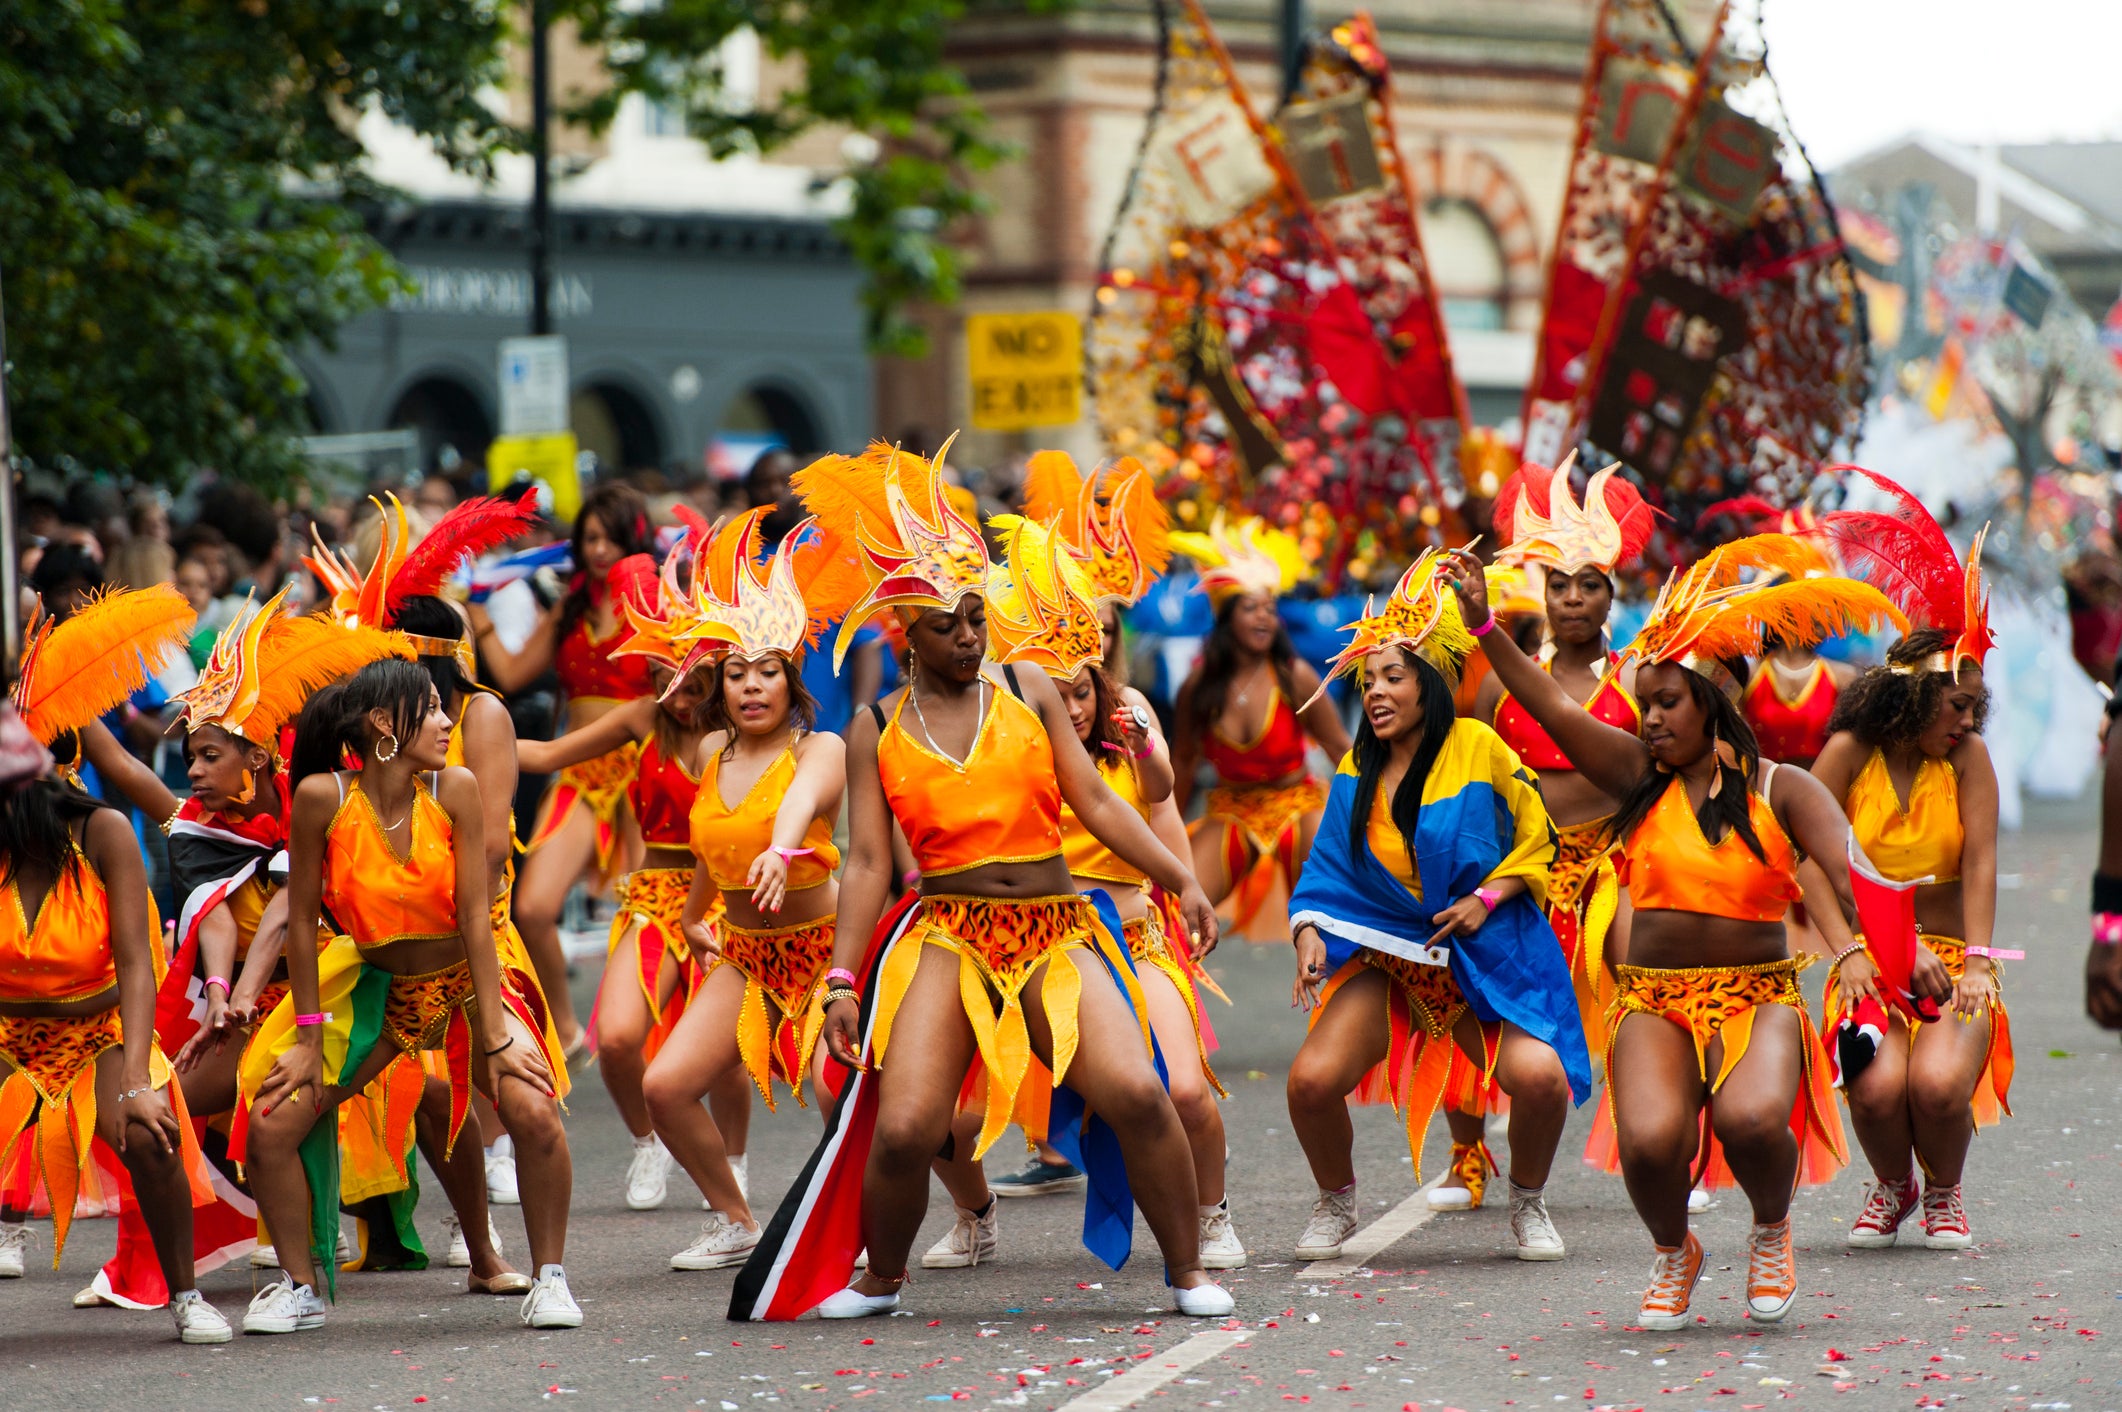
(1462, 1190)
(1771, 1273)
(1672, 1285)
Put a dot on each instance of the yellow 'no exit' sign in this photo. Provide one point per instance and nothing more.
(1026, 370)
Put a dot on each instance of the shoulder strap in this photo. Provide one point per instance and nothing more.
(339, 777)
(1009, 675)
(1768, 778)
(876, 713)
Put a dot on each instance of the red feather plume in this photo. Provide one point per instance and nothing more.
(1902, 553)
(460, 536)
(1527, 485)
(1751, 509)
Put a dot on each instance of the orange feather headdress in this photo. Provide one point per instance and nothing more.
(1124, 540)
(1710, 613)
(1542, 522)
(264, 668)
(1906, 556)
(1420, 614)
(1041, 606)
(73, 672)
(889, 508)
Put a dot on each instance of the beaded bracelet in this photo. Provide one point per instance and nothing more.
(839, 993)
(1841, 956)
(322, 1018)
(132, 1093)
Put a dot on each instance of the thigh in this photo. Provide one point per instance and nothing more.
(622, 1010)
(1949, 1054)
(1109, 1045)
(1211, 838)
(1351, 1035)
(1763, 1088)
(210, 1085)
(1883, 1083)
(703, 1044)
(510, 1099)
(930, 1050)
(1519, 1056)
(552, 868)
(1173, 1024)
(1307, 830)
(1657, 1090)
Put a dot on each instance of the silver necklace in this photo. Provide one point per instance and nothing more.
(915, 693)
(1252, 681)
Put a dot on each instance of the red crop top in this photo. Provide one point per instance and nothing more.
(1276, 754)
(1791, 730)
(662, 793)
(1526, 736)
(587, 667)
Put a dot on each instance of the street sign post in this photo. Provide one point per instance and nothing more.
(549, 458)
(533, 382)
(1026, 370)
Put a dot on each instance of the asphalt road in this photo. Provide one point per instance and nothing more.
(1440, 1318)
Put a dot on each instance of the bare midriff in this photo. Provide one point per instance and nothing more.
(48, 1009)
(1131, 900)
(1668, 940)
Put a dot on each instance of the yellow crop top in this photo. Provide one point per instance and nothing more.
(726, 840)
(1003, 805)
(1921, 841)
(1088, 858)
(377, 896)
(1672, 866)
(1387, 845)
(66, 953)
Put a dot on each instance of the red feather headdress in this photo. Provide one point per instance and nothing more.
(1904, 554)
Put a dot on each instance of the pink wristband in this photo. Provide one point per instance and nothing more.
(1486, 628)
(1491, 897)
(221, 981)
(840, 973)
(791, 854)
(318, 1019)
(1996, 953)
(2107, 928)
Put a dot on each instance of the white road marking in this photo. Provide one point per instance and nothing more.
(1152, 1373)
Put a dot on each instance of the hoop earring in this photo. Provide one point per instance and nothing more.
(249, 791)
(390, 754)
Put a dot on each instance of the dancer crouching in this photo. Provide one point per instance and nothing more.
(1418, 924)
(1710, 1003)
(1000, 959)
(395, 850)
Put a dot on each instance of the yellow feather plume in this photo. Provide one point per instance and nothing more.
(75, 671)
(299, 656)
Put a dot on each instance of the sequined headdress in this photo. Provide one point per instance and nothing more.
(1042, 608)
(1710, 612)
(890, 510)
(1541, 521)
(1420, 614)
(1250, 557)
(73, 672)
(1123, 539)
(1906, 555)
(264, 666)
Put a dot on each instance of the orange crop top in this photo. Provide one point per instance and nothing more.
(1088, 858)
(1672, 866)
(1276, 754)
(1921, 841)
(726, 840)
(66, 953)
(374, 895)
(663, 792)
(1526, 736)
(1003, 805)
(588, 668)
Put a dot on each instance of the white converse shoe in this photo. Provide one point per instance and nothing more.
(460, 1249)
(1531, 1226)
(197, 1321)
(738, 1168)
(1220, 1247)
(550, 1305)
(648, 1175)
(1333, 1221)
(972, 1238)
(501, 1189)
(1209, 1301)
(1697, 1201)
(265, 1257)
(283, 1307)
(14, 1249)
(722, 1243)
(851, 1304)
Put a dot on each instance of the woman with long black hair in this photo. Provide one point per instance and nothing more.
(1419, 925)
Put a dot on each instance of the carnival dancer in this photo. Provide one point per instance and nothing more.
(1418, 924)
(1238, 710)
(79, 954)
(761, 899)
(1709, 1003)
(1574, 548)
(228, 861)
(1911, 730)
(395, 850)
(582, 827)
(999, 959)
(1790, 698)
(401, 590)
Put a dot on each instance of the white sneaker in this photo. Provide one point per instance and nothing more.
(265, 1257)
(1333, 1221)
(1697, 1201)
(851, 1304)
(550, 1305)
(283, 1307)
(1209, 1301)
(738, 1169)
(460, 1249)
(648, 1175)
(1220, 1247)
(971, 1238)
(501, 1187)
(14, 1249)
(1531, 1226)
(197, 1321)
(722, 1243)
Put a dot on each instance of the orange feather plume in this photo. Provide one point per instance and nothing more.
(1798, 611)
(73, 672)
(298, 657)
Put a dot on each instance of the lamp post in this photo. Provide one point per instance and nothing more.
(1292, 47)
(541, 212)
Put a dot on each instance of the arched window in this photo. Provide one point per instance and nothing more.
(1466, 262)
(452, 422)
(612, 421)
